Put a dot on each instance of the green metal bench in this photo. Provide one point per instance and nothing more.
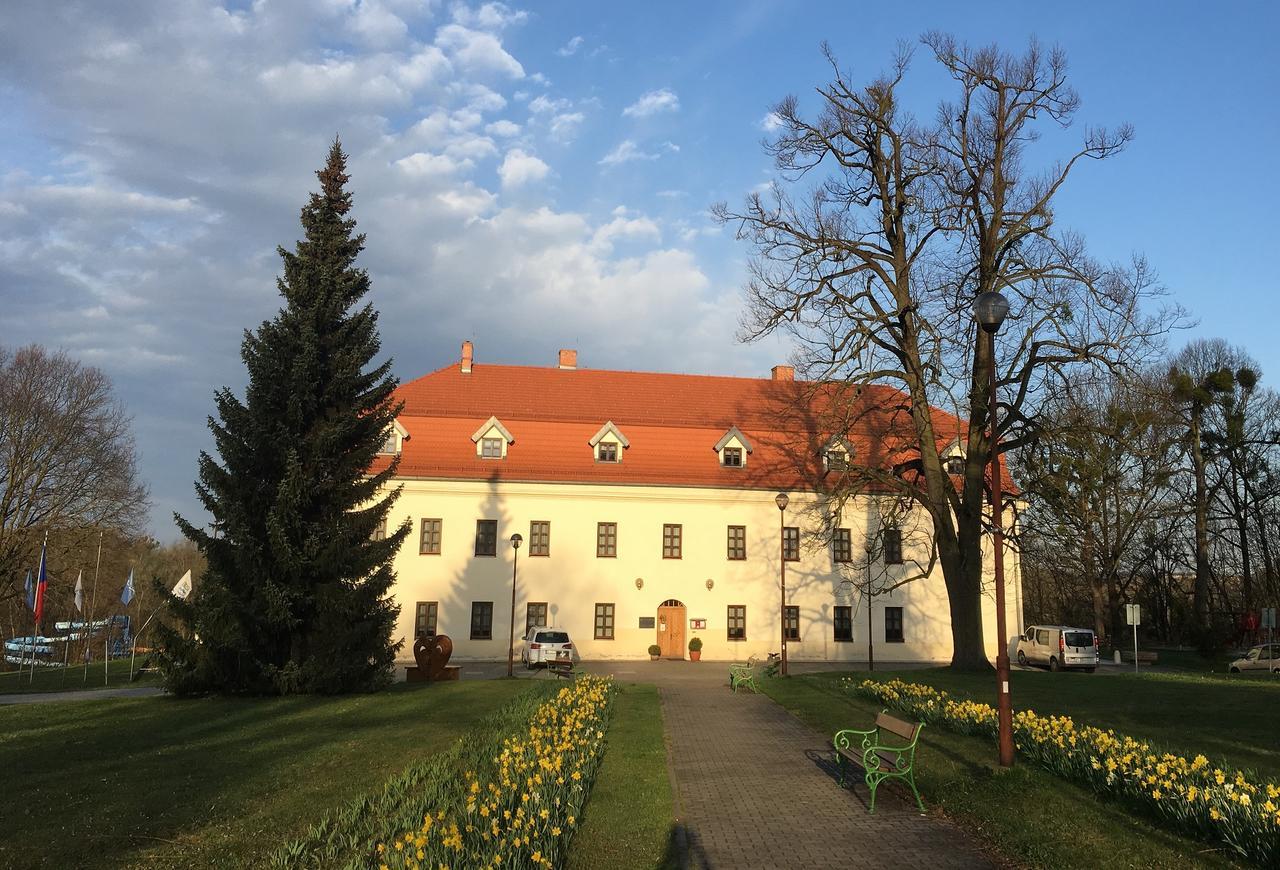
(879, 759)
(744, 675)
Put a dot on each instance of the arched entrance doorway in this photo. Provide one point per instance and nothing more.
(671, 624)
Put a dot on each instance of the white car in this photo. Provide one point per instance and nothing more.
(543, 644)
(1059, 646)
(1263, 657)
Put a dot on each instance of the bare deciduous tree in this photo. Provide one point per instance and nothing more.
(873, 269)
(67, 459)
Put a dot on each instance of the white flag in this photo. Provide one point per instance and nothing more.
(183, 588)
(80, 592)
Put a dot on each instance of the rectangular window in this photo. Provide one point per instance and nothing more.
(893, 546)
(792, 616)
(429, 542)
(540, 538)
(424, 622)
(737, 622)
(608, 451)
(732, 457)
(842, 546)
(535, 614)
(843, 619)
(490, 448)
(379, 532)
(791, 544)
(482, 620)
(671, 541)
(737, 543)
(604, 622)
(893, 625)
(606, 540)
(837, 460)
(486, 537)
(389, 445)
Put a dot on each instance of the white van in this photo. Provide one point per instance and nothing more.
(1059, 646)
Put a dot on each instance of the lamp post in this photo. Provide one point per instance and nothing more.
(516, 541)
(781, 501)
(990, 309)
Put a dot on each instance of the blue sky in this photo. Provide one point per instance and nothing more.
(536, 178)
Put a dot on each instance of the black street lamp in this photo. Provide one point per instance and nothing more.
(990, 309)
(781, 501)
(516, 541)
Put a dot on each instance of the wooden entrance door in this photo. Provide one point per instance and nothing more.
(671, 620)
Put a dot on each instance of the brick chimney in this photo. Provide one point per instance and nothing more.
(783, 373)
(466, 357)
(568, 359)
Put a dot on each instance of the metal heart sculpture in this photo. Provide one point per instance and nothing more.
(432, 654)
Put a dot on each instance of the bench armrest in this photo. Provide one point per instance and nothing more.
(844, 738)
(903, 756)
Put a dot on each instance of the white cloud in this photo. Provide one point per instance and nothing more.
(564, 127)
(477, 52)
(519, 168)
(653, 103)
(626, 151)
(503, 129)
(770, 122)
(422, 165)
(542, 105)
(570, 47)
(490, 16)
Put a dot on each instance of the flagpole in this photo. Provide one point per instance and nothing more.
(41, 573)
(93, 603)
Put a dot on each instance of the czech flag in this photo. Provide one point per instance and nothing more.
(42, 585)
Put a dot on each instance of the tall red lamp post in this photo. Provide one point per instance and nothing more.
(990, 308)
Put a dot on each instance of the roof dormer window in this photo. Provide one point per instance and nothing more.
(954, 464)
(837, 455)
(608, 443)
(492, 439)
(396, 436)
(733, 448)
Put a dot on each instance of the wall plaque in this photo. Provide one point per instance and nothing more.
(647, 622)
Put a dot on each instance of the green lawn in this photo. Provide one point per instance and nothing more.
(629, 818)
(161, 782)
(1032, 816)
(75, 678)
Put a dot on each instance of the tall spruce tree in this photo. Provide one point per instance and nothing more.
(295, 598)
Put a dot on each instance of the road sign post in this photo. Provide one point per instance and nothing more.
(1133, 615)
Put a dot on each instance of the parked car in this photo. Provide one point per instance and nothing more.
(1264, 656)
(1059, 646)
(543, 644)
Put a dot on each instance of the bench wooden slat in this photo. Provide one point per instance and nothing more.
(905, 730)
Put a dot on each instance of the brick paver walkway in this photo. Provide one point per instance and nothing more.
(754, 789)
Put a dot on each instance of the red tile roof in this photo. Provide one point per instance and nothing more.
(672, 422)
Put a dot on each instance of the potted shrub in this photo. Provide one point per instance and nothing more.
(695, 649)
(654, 652)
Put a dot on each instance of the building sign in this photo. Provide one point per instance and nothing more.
(646, 622)
(697, 623)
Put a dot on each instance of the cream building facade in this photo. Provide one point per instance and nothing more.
(646, 505)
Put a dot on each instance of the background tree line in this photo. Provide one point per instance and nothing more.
(1157, 487)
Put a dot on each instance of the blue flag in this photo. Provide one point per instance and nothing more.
(127, 595)
(31, 592)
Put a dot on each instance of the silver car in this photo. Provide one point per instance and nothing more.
(1263, 657)
(543, 645)
(1059, 647)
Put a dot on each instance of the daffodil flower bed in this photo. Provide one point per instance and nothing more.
(523, 810)
(1193, 796)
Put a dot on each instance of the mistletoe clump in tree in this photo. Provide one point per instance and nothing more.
(295, 598)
